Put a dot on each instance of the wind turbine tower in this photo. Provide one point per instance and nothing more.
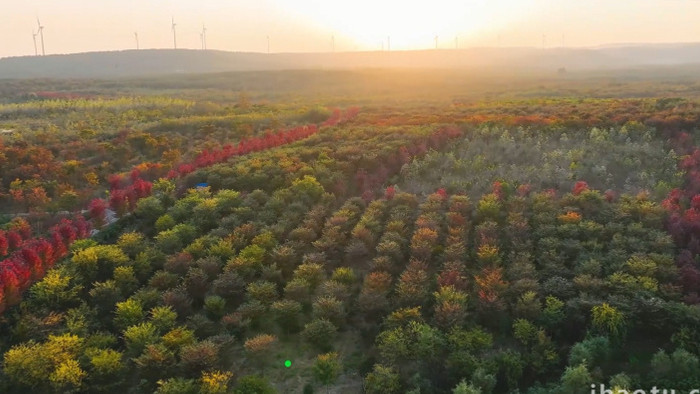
(136, 36)
(204, 37)
(36, 52)
(174, 35)
(41, 34)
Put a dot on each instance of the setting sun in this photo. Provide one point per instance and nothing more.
(370, 23)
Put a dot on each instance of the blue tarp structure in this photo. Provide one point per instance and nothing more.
(201, 185)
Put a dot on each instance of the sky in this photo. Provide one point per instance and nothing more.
(344, 25)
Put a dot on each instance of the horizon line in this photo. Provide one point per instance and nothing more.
(538, 48)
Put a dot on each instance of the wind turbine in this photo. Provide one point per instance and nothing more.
(174, 35)
(268, 44)
(204, 36)
(36, 52)
(41, 33)
(136, 36)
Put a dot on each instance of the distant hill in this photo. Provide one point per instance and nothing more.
(133, 63)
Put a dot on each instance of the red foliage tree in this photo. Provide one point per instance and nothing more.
(97, 209)
(490, 284)
(58, 245)
(524, 190)
(14, 240)
(10, 285)
(580, 187)
(4, 243)
(390, 192)
(452, 277)
(117, 201)
(497, 189)
(33, 261)
(115, 181)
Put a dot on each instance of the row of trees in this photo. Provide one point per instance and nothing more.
(62, 151)
(126, 192)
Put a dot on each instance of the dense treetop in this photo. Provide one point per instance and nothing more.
(193, 246)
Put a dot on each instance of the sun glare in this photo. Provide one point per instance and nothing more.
(410, 25)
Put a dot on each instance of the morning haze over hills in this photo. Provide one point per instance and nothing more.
(170, 61)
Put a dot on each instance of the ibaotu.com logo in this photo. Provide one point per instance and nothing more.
(654, 390)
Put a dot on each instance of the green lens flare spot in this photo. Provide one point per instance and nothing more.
(287, 363)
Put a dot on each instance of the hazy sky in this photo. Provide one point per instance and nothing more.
(309, 25)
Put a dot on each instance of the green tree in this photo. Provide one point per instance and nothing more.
(382, 380)
(326, 368)
(320, 333)
(26, 364)
(149, 208)
(104, 296)
(298, 290)
(68, 376)
(106, 368)
(263, 291)
(215, 307)
(576, 380)
(609, 320)
(593, 351)
(178, 337)
(125, 279)
(465, 388)
(344, 275)
(138, 336)
(253, 384)
(55, 290)
(416, 341)
(96, 263)
(128, 313)
(163, 317)
(331, 309)
(287, 314)
(164, 223)
(311, 272)
(131, 243)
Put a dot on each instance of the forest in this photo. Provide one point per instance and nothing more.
(225, 234)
